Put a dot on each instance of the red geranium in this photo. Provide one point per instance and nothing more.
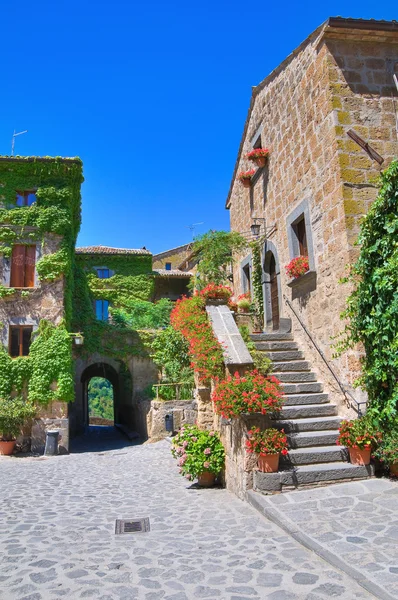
(257, 153)
(297, 267)
(216, 292)
(269, 441)
(246, 174)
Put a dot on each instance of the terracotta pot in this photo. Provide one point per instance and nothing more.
(246, 182)
(358, 456)
(260, 161)
(268, 463)
(206, 479)
(394, 469)
(7, 448)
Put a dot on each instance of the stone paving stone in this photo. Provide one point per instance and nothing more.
(57, 540)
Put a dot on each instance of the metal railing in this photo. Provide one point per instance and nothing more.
(177, 387)
(350, 399)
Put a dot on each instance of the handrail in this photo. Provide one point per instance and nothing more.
(347, 394)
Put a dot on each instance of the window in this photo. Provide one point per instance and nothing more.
(26, 198)
(301, 235)
(23, 261)
(19, 340)
(168, 266)
(103, 273)
(246, 278)
(102, 310)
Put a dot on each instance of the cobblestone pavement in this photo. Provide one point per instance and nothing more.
(356, 521)
(57, 535)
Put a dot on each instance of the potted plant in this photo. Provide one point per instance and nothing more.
(212, 291)
(244, 302)
(297, 267)
(269, 445)
(14, 412)
(249, 393)
(200, 454)
(245, 177)
(258, 156)
(387, 451)
(360, 437)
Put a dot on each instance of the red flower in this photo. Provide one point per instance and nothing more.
(297, 267)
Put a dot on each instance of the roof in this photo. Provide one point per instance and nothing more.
(184, 246)
(172, 273)
(337, 27)
(109, 250)
(73, 159)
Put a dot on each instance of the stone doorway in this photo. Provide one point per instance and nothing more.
(100, 372)
(271, 288)
(274, 294)
(100, 398)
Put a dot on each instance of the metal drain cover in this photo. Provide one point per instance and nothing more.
(132, 526)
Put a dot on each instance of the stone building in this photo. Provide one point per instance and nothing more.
(318, 180)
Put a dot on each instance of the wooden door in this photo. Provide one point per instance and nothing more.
(274, 294)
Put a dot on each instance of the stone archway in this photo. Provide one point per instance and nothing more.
(107, 372)
(271, 287)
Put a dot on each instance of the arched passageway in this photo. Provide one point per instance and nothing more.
(100, 402)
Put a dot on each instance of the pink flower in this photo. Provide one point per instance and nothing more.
(206, 464)
(194, 439)
(211, 433)
(188, 476)
(185, 444)
(207, 451)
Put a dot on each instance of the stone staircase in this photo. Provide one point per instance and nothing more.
(310, 421)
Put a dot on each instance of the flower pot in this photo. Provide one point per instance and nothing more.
(7, 448)
(268, 463)
(260, 160)
(394, 469)
(358, 456)
(206, 479)
(246, 182)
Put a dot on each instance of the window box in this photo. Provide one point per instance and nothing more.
(308, 277)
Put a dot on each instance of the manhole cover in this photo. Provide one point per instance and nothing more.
(132, 526)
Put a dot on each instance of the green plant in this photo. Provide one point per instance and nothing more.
(170, 352)
(215, 252)
(257, 280)
(141, 314)
(372, 307)
(213, 291)
(250, 393)
(198, 451)
(14, 412)
(261, 361)
(387, 451)
(359, 433)
(269, 441)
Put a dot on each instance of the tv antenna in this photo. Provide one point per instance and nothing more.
(192, 227)
(14, 135)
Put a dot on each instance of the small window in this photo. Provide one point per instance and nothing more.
(26, 198)
(246, 278)
(301, 235)
(103, 273)
(19, 340)
(257, 143)
(168, 266)
(23, 260)
(102, 310)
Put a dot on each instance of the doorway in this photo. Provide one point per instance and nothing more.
(271, 288)
(274, 293)
(100, 399)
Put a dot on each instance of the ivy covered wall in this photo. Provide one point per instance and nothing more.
(52, 224)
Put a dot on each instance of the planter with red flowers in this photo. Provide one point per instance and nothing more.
(360, 437)
(245, 177)
(268, 445)
(258, 156)
(213, 292)
(297, 267)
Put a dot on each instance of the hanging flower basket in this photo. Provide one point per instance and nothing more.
(258, 156)
(245, 177)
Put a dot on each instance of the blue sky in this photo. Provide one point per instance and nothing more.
(152, 96)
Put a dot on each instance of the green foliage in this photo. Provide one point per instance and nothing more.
(52, 266)
(14, 412)
(359, 433)
(372, 308)
(198, 451)
(169, 351)
(387, 451)
(215, 251)
(100, 398)
(257, 277)
(140, 314)
(6, 292)
(261, 362)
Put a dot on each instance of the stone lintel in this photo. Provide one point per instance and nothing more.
(227, 333)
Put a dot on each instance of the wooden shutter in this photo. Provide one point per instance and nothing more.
(302, 237)
(30, 261)
(18, 266)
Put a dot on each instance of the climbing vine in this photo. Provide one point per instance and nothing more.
(257, 275)
(372, 308)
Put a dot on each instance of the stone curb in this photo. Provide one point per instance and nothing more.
(261, 504)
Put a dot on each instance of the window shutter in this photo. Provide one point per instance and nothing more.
(18, 266)
(30, 261)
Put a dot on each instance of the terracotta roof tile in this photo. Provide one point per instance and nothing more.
(172, 273)
(109, 250)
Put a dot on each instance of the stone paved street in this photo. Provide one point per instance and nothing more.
(57, 523)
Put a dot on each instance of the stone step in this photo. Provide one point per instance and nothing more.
(297, 377)
(291, 366)
(295, 399)
(285, 355)
(306, 411)
(320, 454)
(302, 388)
(307, 475)
(307, 439)
(271, 337)
(276, 346)
(314, 424)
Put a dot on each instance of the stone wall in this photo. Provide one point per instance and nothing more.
(154, 412)
(302, 112)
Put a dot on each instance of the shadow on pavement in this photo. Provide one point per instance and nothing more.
(101, 439)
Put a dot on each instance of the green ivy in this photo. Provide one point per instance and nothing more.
(257, 275)
(372, 308)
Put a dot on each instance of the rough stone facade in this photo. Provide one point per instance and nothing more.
(339, 79)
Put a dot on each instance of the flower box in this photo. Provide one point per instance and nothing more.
(258, 156)
(245, 177)
(297, 267)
